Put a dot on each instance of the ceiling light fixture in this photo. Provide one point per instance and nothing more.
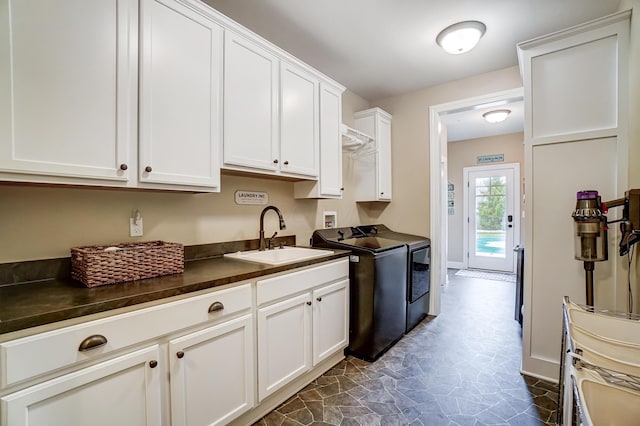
(461, 37)
(497, 115)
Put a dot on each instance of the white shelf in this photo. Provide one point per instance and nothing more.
(356, 143)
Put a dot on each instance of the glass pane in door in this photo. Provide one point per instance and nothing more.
(490, 208)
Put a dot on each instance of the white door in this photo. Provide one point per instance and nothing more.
(383, 142)
(492, 216)
(284, 343)
(212, 374)
(330, 320)
(121, 391)
(180, 95)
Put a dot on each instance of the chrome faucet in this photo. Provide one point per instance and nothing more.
(282, 225)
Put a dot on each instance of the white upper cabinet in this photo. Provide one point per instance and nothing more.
(67, 95)
(329, 184)
(373, 172)
(250, 105)
(180, 95)
(299, 119)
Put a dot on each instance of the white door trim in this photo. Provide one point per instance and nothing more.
(516, 205)
(438, 182)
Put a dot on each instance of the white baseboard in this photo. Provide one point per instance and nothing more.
(455, 265)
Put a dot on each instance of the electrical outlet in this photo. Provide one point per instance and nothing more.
(135, 229)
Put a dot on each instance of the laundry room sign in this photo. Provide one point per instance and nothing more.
(251, 197)
(494, 158)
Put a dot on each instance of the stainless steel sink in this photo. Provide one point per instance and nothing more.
(279, 256)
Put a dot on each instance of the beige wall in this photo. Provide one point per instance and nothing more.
(463, 154)
(409, 211)
(45, 222)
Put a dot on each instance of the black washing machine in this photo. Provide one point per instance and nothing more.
(378, 288)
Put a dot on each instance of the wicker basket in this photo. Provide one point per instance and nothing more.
(99, 265)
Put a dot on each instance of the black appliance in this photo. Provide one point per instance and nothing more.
(378, 287)
(418, 270)
(519, 283)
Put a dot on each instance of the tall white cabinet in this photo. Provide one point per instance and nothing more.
(575, 85)
(373, 171)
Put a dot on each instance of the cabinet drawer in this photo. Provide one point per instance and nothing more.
(31, 356)
(275, 288)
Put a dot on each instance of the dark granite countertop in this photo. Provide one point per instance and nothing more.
(34, 303)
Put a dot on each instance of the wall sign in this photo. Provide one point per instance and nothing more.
(251, 197)
(494, 158)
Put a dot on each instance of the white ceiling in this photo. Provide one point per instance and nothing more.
(382, 48)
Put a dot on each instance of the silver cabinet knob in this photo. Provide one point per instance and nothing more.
(148, 169)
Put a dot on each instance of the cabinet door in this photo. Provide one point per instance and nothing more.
(330, 141)
(250, 105)
(299, 119)
(212, 374)
(180, 95)
(67, 92)
(330, 320)
(383, 142)
(284, 343)
(121, 391)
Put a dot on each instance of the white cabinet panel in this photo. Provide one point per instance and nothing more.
(565, 98)
(250, 104)
(330, 320)
(180, 95)
(122, 391)
(373, 172)
(212, 373)
(67, 96)
(284, 343)
(299, 119)
(329, 183)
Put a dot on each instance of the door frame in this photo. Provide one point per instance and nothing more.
(516, 206)
(438, 184)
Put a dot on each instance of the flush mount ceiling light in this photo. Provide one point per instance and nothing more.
(497, 115)
(461, 37)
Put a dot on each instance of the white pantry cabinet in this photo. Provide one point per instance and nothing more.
(121, 391)
(67, 95)
(180, 95)
(329, 183)
(302, 319)
(373, 171)
(576, 94)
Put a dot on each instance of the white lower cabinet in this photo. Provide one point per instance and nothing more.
(307, 323)
(122, 391)
(212, 373)
(330, 320)
(284, 343)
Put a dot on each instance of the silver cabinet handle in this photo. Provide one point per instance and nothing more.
(216, 306)
(92, 342)
(148, 169)
(123, 166)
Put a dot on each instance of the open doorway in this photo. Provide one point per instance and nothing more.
(438, 177)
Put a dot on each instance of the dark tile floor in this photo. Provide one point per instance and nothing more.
(460, 368)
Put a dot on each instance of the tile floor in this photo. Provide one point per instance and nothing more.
(460, 368)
